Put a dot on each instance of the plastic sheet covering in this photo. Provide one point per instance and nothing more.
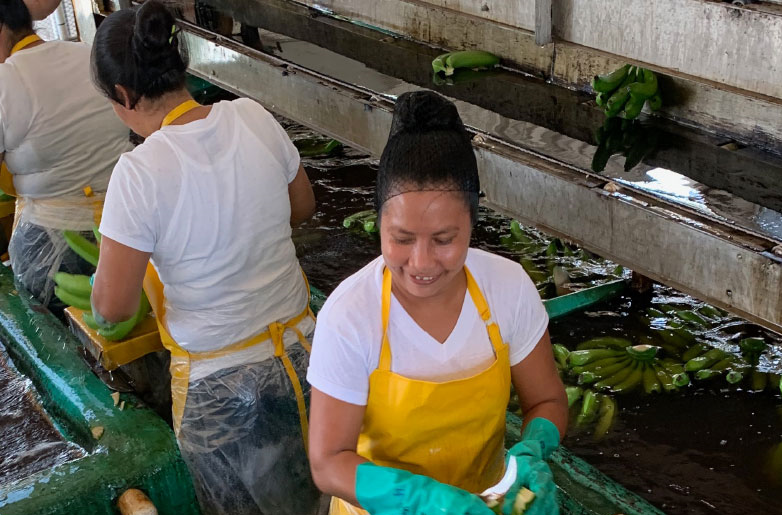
(29, 442)
(241, 439)
(37, 247)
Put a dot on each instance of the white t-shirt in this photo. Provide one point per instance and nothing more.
(59, 134)
(209, 200)
(348, 336)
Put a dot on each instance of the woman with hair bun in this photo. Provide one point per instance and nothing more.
(414, 355)
(59, 142)
(201, 214)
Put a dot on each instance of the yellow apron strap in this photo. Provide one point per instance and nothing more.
(7, 180)
(385, 348)
(181, 109)
(25, 42)
(483, 309)
(277, 330)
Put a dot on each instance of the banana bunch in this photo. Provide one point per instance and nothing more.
(448, 63)
(624, 91)
(76, 290)
(317, 147)
(595, 407)
(366, 220)
(554, 265)
(616, 365)
(709, 362)
(627, 137)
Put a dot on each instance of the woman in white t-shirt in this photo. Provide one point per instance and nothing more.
(414, 355)
(209, 199)
(59, 140)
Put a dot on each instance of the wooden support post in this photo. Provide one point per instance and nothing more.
(542, 22)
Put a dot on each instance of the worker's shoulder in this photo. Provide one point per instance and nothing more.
(150, 157)
(356, 295)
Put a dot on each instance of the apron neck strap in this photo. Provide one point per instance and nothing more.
(180, 110)
(25, 42)
(477, 298)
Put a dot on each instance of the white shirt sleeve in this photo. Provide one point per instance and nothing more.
(129, 212)
(289, 151)
(346, 338)
(2, 130)
(531, 320)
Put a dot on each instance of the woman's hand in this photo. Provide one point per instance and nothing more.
(116, 290)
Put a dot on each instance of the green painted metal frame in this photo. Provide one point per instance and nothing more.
(572, 302)
(137, 448)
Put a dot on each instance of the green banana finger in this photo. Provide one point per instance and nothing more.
(656, 102)
(758, 380)
(734, 376)
(752, 348)
(606, 416)
(74, 283)
(710, 312)
(534, 273)
(574, 393)
(605, 341)
(695, 351)
(120, 330)
(601, 156)
(692, 316)
(582, 357)
(587, 377)
(560, 354)
(617, 377)
(97, 234)
(438, 64)
(603, 367)
(631, 381)
(642, 352)
(707, 373)
(610, 81)
(370, 224)
(650, 381)
(356, 218)
(600, 99)
(665, 378)
(589, 405)
(656, 313)
(84, 248)
(647, 88)
(469, 59)
(90, 320)
(518, 233)
(73, 300)
(633, 107)
(708, 359)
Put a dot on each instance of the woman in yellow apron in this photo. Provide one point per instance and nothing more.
(201, 214)
(414, 355)
(59, 141)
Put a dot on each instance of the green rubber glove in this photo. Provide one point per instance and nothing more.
(539, 439)
(390, 491)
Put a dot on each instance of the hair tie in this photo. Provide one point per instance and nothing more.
(173, 33)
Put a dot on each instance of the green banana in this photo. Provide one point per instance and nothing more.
(656, 313)
(610, 81)
(90, 320)
(692, 316)
(734, 376)
(518, 233)
(574, 393)
(534, 273)
(665, 378)
(469, 59)
(357, 218)
(647, 88)
(589, 405)
(616, 378)
(633, 107)
(72, 299)
(603, 367)
(560, 354)
(601, 156)
(631, 381)
(710, 312)
(656, 102)
(82, 247)
(97, 234)
(650, 381)
(617, 100)
(370, 224)
(76, 284)
(438, 64)
(600, 99)
(759, 380)
(582, 357)
(695, 351)
(706, 360)
(587, 377)
(120, 330)
(642, 148)
(752, 348)
(605, 341)
(606, 416)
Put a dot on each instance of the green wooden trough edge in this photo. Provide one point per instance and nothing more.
(136, 450)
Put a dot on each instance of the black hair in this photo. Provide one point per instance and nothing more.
(428, 149)
(15, 15)
(139, 50)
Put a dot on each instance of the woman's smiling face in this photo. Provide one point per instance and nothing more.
(424, 237)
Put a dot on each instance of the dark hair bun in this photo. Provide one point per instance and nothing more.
(152, 32)
(424, 111)
(15, 15)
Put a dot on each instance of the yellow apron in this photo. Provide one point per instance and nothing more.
(452, 431)
(6, 179)
(181, 358)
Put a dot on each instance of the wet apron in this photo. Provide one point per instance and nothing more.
(181, 358)
(452, 431)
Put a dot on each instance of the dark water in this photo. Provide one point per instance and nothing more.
(707, 449)
(29, 442)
